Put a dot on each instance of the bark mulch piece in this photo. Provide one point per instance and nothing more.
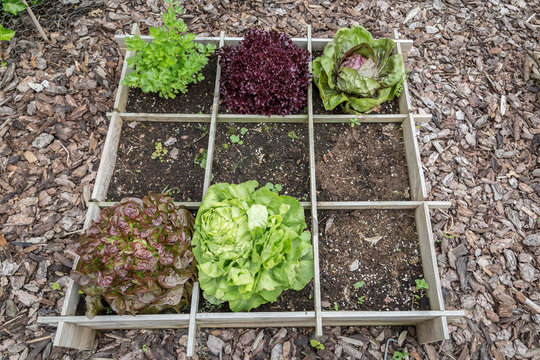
(270, 152)
(364, 162)
(387, 107)
(383, 247)
(179, 174)
(198, 99)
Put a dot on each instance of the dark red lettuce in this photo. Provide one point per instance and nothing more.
(138, 257)
(265, 74)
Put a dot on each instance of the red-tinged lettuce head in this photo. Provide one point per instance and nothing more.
(265, 74)
(138, 257)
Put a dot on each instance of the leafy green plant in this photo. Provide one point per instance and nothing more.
(361, 299)
(160, 152)
(169, 63)
(138, 257)
(200, 158)
(235, 139)
(243, 131)
(398, 355)
(336, 307)
(250, 245)
(354, 122)
(144, 348)
(359, 284)
(274, 187)
(358, 72)
(55, 286)
(316, 344)
(421, 284)
(292, 135)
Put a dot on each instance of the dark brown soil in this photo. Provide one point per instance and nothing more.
(289, 300)
(388, 107)
(388, 269)
(361, 163)
(275, 153)
(198, 99)
(136, 173)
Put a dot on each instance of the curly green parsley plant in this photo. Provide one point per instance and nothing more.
(169, 63)
(250, 245)
(358, 72)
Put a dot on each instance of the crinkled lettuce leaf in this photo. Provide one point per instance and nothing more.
(357, 85)
(250, 245)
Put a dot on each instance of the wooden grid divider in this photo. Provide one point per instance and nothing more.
(79, 332)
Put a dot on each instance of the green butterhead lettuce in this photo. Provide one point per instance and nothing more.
(357, 71)
(250, 245)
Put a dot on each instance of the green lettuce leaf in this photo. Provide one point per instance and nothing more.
(250, 245)
(359, 86)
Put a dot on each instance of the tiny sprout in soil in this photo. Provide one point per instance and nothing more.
(361, 299)
(354, 121)
(421, 284)
(171, 191)
(144, 348)
(398, 355)
(316, 345)
(273, 187)
(200, 158)
(55, 286)
(225, 146)
(359, 284)
(243, 131)
(449, 236)
(336, 308)
(160, 152)
(292, 135)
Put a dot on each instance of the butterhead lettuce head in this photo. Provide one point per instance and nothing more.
(357, 71)
(250, 245)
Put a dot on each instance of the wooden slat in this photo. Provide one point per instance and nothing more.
(128, 117)
(241, 118)
(256, 319)
(429, 260)
(422, 117)
(318, 44)
(110, 322)
(192, 328)
(330, 205)
(123, 90)
(314, 218)
(70, 334)
(346, 118)
(414, 163)
(405, 106)
(108, 159)
(432, 330)
(213, 126)
(373, 318)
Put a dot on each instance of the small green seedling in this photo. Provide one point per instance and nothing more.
(235, 139)
(398, 250)
(336, 308)
(398, 355)
(316, 345)
(292, 135)
(449, 236)
(418, 126)
(243, 131)
(421, 284)
(160, 152)
(266, 128)
(225, 146)
(81, 292)
(309, 297)
(273, 187)
(200, 158)
(359, 284)
(55, 286)
(144, 348)
(354, 121)
(361, 299)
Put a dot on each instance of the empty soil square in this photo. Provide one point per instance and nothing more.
(361, 163)
(197, 100)
(274, 153)
(387, 107)
(160, 157)
(369, 260)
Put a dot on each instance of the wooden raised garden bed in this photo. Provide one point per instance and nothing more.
(392, 190)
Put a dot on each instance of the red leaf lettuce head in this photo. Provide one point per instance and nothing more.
(265, 74)
(138, 257)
